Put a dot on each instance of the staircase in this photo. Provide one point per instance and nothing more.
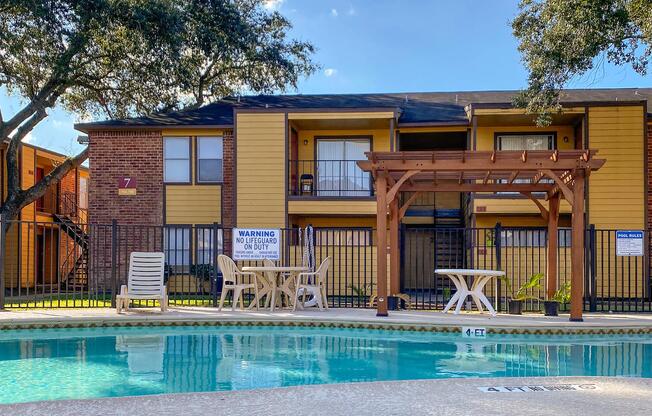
(71, 220)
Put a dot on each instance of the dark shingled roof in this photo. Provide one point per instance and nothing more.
(425, 107)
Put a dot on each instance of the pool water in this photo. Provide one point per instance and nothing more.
(109, 362)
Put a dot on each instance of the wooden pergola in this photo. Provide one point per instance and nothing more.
(556, 174)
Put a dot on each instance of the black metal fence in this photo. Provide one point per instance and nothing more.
(65, 264)
(69, 264)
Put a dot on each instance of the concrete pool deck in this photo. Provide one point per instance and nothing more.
(596, 323)
(601, 396)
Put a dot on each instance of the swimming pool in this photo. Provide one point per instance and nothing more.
(109, 362)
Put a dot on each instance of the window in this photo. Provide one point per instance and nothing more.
(176, 242)
(83, 193)
(209, 159)
(337, 171)
(525, 141)
(205, 245)
(176, 159)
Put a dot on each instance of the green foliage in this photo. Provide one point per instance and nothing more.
(361, 292)
(119, 58)
(563, 294)
(526, 290)
(560, 40)
(202, 271)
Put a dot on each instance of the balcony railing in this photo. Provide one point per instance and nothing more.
(328, 178)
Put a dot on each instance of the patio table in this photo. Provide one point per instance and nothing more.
(481, 278)
(274, 286)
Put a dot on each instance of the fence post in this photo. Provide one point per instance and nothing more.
(593, 301)
(214, 281)
(498, 229)
(114, 261)
(2, 262)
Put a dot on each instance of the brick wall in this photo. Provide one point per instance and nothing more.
(228, 192)
(115, 154)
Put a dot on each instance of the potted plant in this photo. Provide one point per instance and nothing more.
(561, 296)
(516, 298)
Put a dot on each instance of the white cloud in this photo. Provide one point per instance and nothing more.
(273, 4)
(29, 138)
(351, 11)
(334, 12)
(329, 72)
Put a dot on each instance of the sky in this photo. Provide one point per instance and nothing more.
(388, 46)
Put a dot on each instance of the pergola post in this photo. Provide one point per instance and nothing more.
(577, 247)
(394, 258)
(381, 243)
(553, 244)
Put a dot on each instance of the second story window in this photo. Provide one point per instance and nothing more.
(176, 159)
(535, 141)
(337, 171)
(209, 159)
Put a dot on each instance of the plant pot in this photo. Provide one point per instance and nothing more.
(515, 307)
(550, 307)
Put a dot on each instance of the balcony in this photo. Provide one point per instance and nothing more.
(328, 179)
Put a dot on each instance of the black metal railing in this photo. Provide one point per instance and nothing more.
(50, 264)
(328, 178)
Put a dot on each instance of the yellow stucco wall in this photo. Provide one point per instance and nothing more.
(379, 139)
(485, 135)
(617, 191)
(198, 204)
(261, 162)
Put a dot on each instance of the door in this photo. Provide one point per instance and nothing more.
(337, 171)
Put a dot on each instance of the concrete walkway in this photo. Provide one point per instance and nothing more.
(573, 396)
(335, 316)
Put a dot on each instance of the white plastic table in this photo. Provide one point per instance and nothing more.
(481, 278)
(271, 287)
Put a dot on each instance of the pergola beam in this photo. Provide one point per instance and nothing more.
(451, 171)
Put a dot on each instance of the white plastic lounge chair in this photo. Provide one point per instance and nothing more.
(145, 281)
(315, 283)
(231, 281)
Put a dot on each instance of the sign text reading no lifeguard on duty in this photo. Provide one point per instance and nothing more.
(256, 244)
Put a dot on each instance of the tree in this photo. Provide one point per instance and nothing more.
(563, 39)
(121, 58)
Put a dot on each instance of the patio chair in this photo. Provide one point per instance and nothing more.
(315, 283)
(232, 280)
(145, 281)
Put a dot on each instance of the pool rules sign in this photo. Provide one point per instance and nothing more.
(629, 243)
(256, 244)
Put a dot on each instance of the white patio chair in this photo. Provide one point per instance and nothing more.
(232, 280)
(315, 283)
(145, 280)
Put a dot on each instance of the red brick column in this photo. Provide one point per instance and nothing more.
(228, 189)
(115, 154)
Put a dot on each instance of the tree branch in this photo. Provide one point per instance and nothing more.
(37, 190)
(13, 180)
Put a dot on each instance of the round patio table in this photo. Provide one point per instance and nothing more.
(285, 273)
(481, 278)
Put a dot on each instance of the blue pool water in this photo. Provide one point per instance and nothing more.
(109, 362)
